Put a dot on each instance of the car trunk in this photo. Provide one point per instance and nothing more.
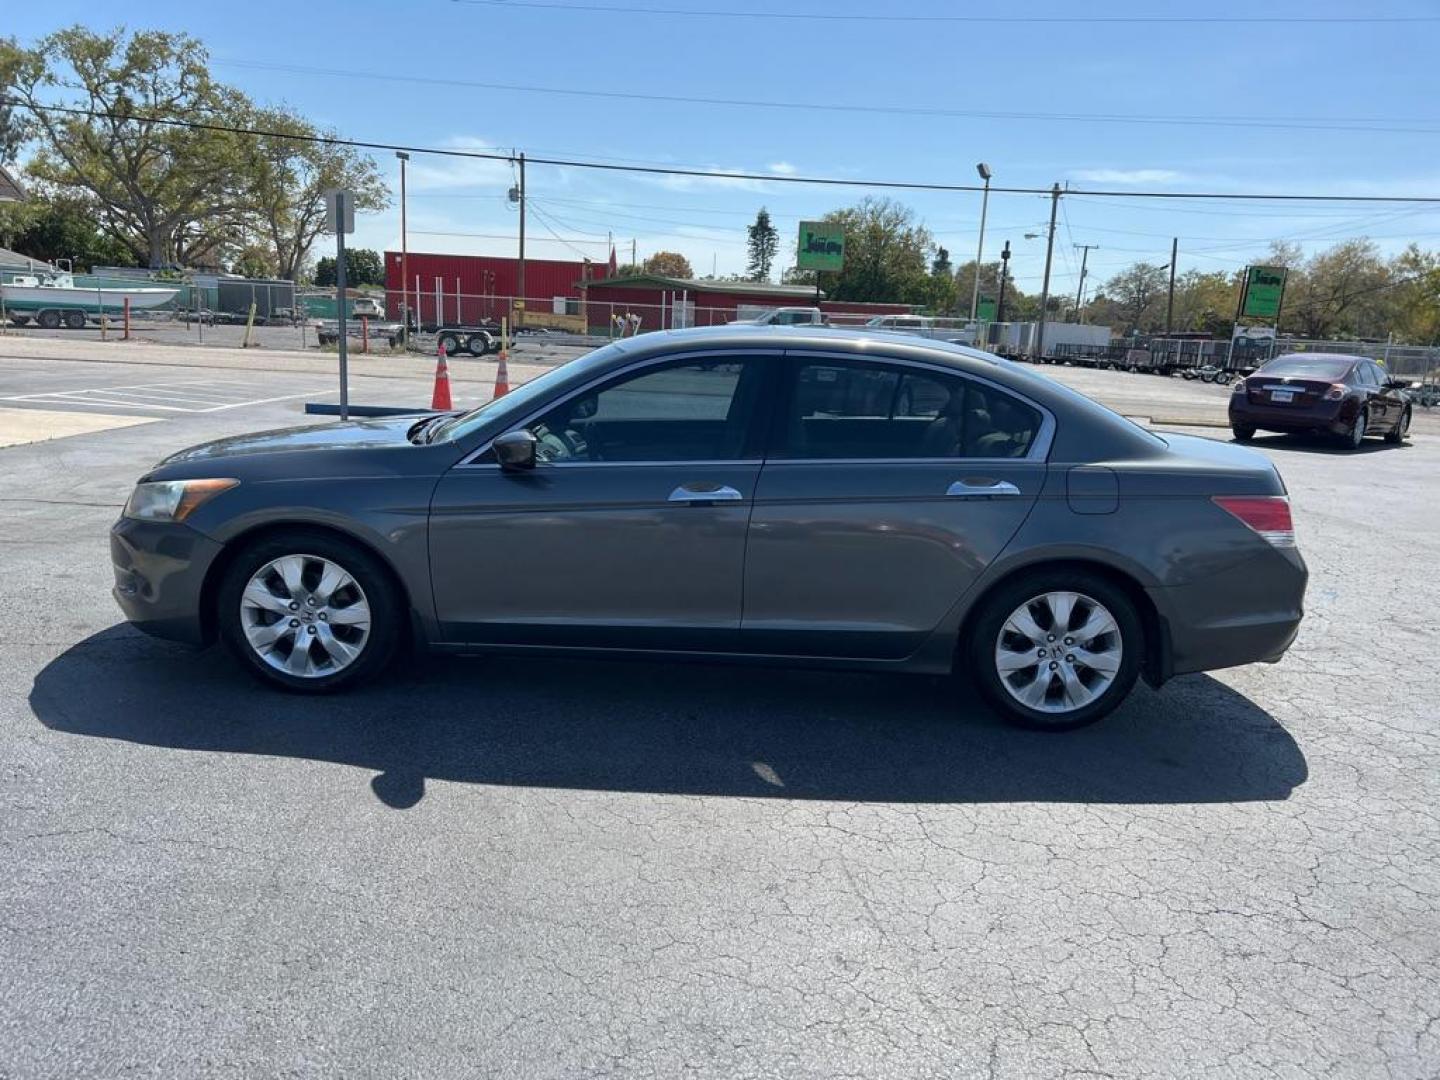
(1282, 391)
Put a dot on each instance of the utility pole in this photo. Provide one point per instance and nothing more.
(1004, 267)
(520, 277)
(1045, 288)
(404, 256)
(634, 263)
(1084, 250)
(1170, 303)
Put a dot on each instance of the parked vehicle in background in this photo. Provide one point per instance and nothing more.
(796, 495)
(954, 330)
(1347, 396)
(788, 316)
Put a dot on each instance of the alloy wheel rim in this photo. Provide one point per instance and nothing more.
(305, 615)
(1058, 652)
(1358, 434)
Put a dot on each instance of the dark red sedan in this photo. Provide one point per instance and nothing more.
(1325, 393)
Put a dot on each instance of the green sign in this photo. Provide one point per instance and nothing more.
(1264, 286)
(985, 310)
(821, 246)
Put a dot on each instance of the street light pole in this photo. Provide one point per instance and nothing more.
(984, 171)
(1085, 250)
(404, 256)
(520, 277)
(1004, 267)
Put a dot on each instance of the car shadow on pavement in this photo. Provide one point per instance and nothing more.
(683, 728)
(1319, 444)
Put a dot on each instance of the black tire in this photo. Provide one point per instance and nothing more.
(983, 633)
(450, 343)
(387, 608)
(48, 320)
(480, 343)
(20, 320)
(1242, 432)
(1359, 427)
(1396, 436)
(74, 320)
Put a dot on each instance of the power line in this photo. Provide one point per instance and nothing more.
(713, 174)
(499, 236)
(1102, 20)
(1383, 125)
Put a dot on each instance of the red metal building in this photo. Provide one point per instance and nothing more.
(474, 287)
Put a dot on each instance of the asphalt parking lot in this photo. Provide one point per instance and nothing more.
(556, 869)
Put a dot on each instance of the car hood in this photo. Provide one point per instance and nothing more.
(353, 434)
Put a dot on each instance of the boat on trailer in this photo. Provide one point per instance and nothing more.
(54, 300)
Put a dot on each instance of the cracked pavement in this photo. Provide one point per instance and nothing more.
(561, 869)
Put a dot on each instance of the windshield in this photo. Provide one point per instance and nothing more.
(1313, 367)
(457, 427)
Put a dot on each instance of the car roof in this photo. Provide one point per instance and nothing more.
(1345, 357)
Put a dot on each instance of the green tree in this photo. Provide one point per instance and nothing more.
(1415, 302)
(940, 266)
(1339, 292)
(1206, 302)
(14, 127)
(288, 178)
(1136, 298)
(669, 264)
(170, 194)
(763, 243)
(886, 254)
(48, 229)
(363, 266)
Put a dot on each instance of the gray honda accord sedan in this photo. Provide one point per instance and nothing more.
(780, 495)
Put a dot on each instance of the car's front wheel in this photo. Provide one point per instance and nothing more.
(309, 612)
(1056, 650)
(1401, 429)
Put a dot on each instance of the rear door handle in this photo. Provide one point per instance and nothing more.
(968, 489)
(687, 493)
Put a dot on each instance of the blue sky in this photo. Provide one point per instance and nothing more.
(396, 72)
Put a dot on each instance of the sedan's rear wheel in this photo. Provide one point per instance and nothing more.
(1242, 432)
(1358, 428)
(1056, 650)
(309, 612)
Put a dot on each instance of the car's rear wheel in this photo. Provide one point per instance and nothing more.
(1242, 432)
(1056, 650)
(1358, 428)
(309, 612)
(1397, 436)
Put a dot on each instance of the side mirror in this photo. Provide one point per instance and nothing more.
(515, 450)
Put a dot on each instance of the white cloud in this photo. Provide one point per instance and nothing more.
(1128, 176)
(783, 168)
(428, 172)
(721, 181)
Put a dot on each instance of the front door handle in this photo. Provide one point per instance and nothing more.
(981, 489)
(700, 493)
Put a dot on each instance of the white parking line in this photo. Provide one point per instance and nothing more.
(175, 396)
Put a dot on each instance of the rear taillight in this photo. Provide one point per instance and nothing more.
(1336, 392)
(1268, 515)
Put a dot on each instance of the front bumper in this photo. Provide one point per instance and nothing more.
(1248, 614)
(160, 570)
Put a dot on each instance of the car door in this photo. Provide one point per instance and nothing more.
(629, 532)
(888, 488)
(1385, 403)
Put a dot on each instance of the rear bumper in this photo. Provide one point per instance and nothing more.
(1249, 614)
(160, 571)
(1332, 416)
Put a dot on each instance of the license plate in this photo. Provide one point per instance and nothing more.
(1282, 395)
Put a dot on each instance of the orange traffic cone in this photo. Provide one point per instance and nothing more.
(502, 376)
(440, 399)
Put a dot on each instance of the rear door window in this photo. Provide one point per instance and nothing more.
(844, 409)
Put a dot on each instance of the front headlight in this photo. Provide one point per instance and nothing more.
(173, 500)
